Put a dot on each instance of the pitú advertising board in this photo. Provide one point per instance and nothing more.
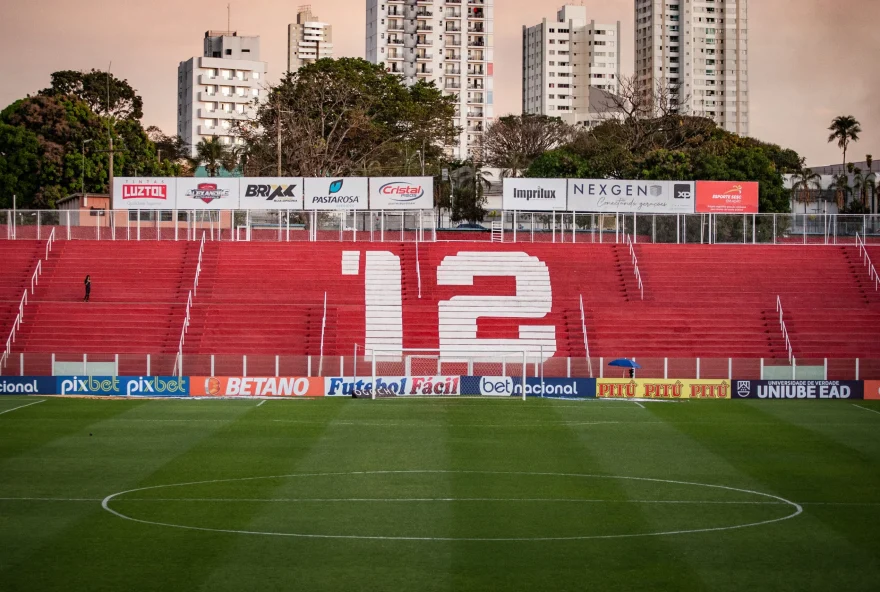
(327, 193)
(638, 197)
(629, 388)
(144, 193)
(401, 193)
(798, 389)
(271, 193)
(253, 386)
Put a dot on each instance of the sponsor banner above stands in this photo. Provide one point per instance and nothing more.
(872, 389)
(253, 386)
(144, 193)
(399, 386)
(535, 195)
(798, 389)
(28, 385)
(727, 197)
(639, 197)
(327, 193)
(207, 193)
(271, 193)
(628, 388)
(401, 193)
(512, 386)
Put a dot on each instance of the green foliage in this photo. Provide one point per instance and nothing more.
(844, 129)
(95, 88)
(469, 185)
(19, 164)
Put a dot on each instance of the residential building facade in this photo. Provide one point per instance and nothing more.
(698, 51)
(447, 41)
(308, 40)
(570, 64)
(219, 87)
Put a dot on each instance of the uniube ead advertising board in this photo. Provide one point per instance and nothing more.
(401, 193)
(144, 193)
(638, 197)
(327, 193)
(535, 195)
(271, 193)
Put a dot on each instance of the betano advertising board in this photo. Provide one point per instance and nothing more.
(255, 386)
(639, 197)
(628, 388)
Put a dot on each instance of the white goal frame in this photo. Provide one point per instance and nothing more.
(406, 356)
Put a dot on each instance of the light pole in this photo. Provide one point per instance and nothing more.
(82, 180)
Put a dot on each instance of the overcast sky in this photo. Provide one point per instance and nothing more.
(810, 59)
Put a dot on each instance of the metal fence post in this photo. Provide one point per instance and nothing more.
(276, 367)
(857, 368)
(729, 368)
(665, 368)
(21, 364)
(148, 365)
(244, 365)
(212, 366)
(698, 368)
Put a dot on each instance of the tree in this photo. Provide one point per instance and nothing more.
(19, 165)
(172, 148)
(469, 184)
(804, 181)
(212, 154)
(513, 142)
(92, 88)
(844, 129)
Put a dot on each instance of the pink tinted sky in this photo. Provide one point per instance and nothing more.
(810, 59)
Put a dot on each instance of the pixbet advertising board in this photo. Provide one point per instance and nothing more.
(401, 193)
(350, 193)
(639, 197)
(727, 197)
(798, 389)
(123, 386)
(271, 193)
(144, 193)
(535, 195)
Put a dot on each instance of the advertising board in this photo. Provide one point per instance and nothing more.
(254, 386)
(727, 197)
(207, 193)
(28, 385)
(122, 386)
(628, 388)
(639, 197)
(401, 193)
(872, 389)
(400, 386)
(144, 193)
(327, 193)
(512, 386)
(534, 195)
(271, 193)
(798, 389)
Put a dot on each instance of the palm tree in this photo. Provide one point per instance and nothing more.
(210, 153)
(841, 185)
(805, 180)
(470, 183)
(844, 129)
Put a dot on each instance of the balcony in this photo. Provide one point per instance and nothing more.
(453, 42)
(395, 41)
(476, 42)
(451, 55)
(424, 14)
(395, 26)
(396, 12)
(476, 72)
(425, 70)
(476, 99)
(423, 27)
(452, 85)
(452, 71)
(424, 41)
(475, 115)
(453, 28)
(424, 56)
(476, 28)
(213, 131)
(395, 57)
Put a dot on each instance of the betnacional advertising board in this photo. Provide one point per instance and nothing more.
(535, 195)
(627, 388)
(401, 193)
(144, 193)
(512, 386)
(349, 193)
(271, 193)
(798, 389)
(727, 197)
(639, 197)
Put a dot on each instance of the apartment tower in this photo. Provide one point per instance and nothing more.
(698, 51)
(447, 41)
(308, 40)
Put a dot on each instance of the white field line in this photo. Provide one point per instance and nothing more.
(261, 402)
(866, 409)
(443, 499)
(639, 404)
(23, 406)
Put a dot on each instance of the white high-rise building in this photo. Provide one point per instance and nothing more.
(699, 50)
(565, 61)
(308, 40)
(219, 87)
(447, 41)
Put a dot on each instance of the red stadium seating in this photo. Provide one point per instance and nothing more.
(19, 262)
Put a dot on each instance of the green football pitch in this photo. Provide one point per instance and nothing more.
(452, 494)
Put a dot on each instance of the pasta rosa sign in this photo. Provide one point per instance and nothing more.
(401, 193)
(727, 197)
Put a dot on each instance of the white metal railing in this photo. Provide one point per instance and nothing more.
(784, 330)
(866, 260)
(16, 325)
(187, 317)
(199, 266)
(35, 278)
(50, 242)
(635, 263)
(418, 269)
(586, 341)
(323, 328)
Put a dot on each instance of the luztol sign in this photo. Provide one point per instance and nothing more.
(144, 193)
(640, 197)
(798, 389)
(401, 193)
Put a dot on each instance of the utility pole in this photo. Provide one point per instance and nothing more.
(82, 180)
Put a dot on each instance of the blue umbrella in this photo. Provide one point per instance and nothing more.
(624, 363)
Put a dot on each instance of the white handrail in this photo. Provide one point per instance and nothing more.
(50, 242)
(784, 329)
(35, 278)
(586, 341)
(16, 325)
(866, 261)
(199, 265)
(323, 326)
(418, 269)
(178, 362)
(635, 262)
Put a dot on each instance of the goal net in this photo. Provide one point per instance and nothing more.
(430, 372)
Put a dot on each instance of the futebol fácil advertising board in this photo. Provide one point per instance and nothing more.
(401, 193)
(534, 195)
(144, 193)
(271, 193)
(327, 193)
(631, 197)
(798, 389)
(208, 193)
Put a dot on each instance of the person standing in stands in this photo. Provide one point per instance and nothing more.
(88, 283)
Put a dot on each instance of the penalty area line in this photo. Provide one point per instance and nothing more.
(866, 409)
(23, 406)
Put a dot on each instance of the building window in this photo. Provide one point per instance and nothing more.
(228, 52)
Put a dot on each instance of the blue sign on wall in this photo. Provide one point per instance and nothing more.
(27, 385)
(511, 386)
(123, 386)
